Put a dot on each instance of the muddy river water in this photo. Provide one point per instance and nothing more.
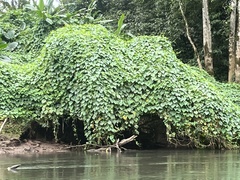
(130, 165)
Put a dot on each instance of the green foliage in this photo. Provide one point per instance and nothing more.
(231, 91)
(43, 9)
(2, 44)
(154, 17)
(6, 5)
(120, 25)
(92, 75)
(16, 94)
(86, 73)
(25, 29)
(17, 27)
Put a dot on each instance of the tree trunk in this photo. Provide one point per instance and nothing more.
(207, 39)
(237, 68)
(189, 37)
(232, 42)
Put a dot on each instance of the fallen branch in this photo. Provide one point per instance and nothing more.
(4, 122)
(118, 145)
(125, 141)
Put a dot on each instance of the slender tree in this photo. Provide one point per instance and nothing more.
(207, 38)
(237, 68)
(232, 42)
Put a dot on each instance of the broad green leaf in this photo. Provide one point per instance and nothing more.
(41, 5)
(12, 46)
(120, 25)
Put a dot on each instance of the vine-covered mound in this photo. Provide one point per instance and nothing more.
(92, 75)
(88, 74)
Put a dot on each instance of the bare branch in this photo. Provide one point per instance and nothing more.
(189, 37)
(4, 122)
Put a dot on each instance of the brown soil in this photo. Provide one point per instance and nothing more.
(15, 146)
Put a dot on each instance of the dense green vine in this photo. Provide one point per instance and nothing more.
(18, 100)
(88, 74)
(94, 76)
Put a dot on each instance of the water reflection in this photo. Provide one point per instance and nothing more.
(161, 164)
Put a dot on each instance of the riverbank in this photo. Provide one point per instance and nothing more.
(15, 146)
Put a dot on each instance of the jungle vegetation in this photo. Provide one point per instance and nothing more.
(107, 64)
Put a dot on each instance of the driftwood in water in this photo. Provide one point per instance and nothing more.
(97, 148)
(128, 140)
(118, 145)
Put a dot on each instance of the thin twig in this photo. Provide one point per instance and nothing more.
(3, 124)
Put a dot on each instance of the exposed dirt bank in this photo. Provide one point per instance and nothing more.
(15, 146)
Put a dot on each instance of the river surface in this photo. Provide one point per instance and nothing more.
(130, 165)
